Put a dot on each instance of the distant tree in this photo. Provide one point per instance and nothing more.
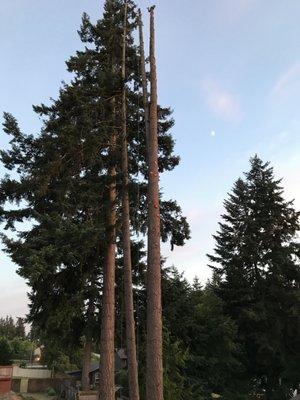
(5, 352)
(11, 329)
(176, 381)
(22, 348)
(201, 351)
(20, 328)
(7, 327)
(257, 277)
(214, 364)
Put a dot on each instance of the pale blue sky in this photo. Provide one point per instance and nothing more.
(230, 69)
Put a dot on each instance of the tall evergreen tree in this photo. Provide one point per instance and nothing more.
(257, 264)
(58, 180)
(5, 352)
(126, 238)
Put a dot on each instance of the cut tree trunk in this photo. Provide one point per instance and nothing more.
(154, 377)
(107, 343)
(129, 309)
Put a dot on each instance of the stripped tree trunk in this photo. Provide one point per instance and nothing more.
(154, 378)
(144, 76)
(129, 310)
(107, 343)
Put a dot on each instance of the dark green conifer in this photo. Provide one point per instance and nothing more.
(257, 263)
(57, 181)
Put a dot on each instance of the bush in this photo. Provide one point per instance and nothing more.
(50, 392)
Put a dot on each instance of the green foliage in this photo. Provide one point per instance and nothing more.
(201, 354)
(50, 392)
(175, 379)
(5, 352)
(11, 329)
(22, 349)
(57, 179)
(239, 334)
(58, 359)
(257, 276)
(214, 365)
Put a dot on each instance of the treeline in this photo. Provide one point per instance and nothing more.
(14, 342)
(11, 329)
(236, 337)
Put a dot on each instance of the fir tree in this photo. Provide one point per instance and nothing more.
(5, 352)
(257, 263)
(20, 328)
(58, 181)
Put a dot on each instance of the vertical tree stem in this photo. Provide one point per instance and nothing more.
(129, 309)
(154, 380)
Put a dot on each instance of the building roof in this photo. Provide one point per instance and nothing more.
(94, 366)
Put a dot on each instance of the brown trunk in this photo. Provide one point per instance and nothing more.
(87, 351)
(144, 76)
(129, 311)
(107, 344)
(86, 365)
(154, 378)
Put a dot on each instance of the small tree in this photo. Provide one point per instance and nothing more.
(5, 352)
(20, 328)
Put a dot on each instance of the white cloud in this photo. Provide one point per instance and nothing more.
(287, 82)
(222, 103)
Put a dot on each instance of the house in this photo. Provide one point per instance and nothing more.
(120, 363)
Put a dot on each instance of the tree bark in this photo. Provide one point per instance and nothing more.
(154, 377)
(144, 76)
(107, 343)
(129, 309)
(87, 351)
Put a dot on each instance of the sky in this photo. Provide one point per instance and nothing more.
(230, 70)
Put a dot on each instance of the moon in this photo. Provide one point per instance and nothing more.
(213, 133)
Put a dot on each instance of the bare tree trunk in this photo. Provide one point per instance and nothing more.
(154, 378)
(107, 343)
(144, 76)
(86, 365)
(87, 351)
(129, 310)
